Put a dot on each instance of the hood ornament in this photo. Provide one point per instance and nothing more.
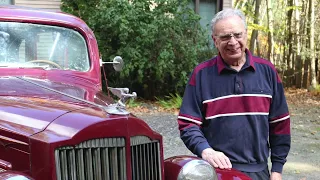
(123, 94)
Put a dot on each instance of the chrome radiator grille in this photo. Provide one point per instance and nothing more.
(145, 159)
(98, 159)
(105, 159)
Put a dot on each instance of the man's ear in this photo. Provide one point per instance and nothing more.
(214, 40)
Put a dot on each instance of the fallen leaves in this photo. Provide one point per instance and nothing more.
(151, 108)
(302, 97)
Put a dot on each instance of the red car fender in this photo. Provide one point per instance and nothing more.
(173, 166)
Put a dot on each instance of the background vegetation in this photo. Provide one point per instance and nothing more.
(161, 40)
(287, 33)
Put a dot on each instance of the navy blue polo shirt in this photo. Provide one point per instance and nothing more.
(242, 114)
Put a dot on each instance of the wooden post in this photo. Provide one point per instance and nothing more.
(196, 7)
(219, 5)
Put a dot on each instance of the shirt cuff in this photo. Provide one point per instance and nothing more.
(201, 147)
(277, 167)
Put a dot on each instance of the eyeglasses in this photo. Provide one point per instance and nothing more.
(227, 37)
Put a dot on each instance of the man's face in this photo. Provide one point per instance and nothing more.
(230, 37)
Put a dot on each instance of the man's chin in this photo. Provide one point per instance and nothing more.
(234, 56)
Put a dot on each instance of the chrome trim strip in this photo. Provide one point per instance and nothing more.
(13, 140)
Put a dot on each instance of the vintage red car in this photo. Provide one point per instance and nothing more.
(55, 120)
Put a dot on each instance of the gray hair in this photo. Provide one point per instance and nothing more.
(225, 14)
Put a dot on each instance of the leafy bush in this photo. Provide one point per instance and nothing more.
(316, 89)
(160, 41)
(172, 101)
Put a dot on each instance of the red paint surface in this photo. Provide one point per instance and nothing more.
(173, 166)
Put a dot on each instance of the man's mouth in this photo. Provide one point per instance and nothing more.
(234, 50)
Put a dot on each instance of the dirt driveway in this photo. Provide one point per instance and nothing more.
(304, 157)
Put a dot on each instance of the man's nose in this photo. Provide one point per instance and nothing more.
(232, 40)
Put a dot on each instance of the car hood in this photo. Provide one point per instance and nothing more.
(28, 115)
(27, 109)
(34, 87)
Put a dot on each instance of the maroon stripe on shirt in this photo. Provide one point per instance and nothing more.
(183, 124)
(201, 66)
(278, 117)
(238, 104)
(268, 63)
(281, 127)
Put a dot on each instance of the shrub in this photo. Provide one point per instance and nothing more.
(172, 101)
(160, 41)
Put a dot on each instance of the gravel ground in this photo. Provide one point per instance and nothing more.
(304, 157)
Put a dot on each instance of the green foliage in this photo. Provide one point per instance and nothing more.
(133, 103)
(257, 27)
(173, 101)
(160, 41)
(317, 88)
(293, 8)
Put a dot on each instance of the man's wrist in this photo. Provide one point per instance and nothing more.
(200, 148)
(277, 167)
(276, 176)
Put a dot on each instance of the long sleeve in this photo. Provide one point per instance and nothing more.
(190, 120)
(279, 127)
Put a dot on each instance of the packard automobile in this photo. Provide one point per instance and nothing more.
(55, 120)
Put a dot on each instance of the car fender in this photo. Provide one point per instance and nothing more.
(173, 166)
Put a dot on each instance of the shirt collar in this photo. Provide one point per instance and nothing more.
(249, 62)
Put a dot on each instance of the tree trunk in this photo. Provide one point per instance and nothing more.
(258, 48)
(298, 72)
(311, 40)
(318, 70)
(305, 83)
(297, 42)
(270, 33)
(289, 39)
(305, 30)
(254, 35)
(297, 28)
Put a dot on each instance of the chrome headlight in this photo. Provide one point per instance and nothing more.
(197, 169)
(18, 177)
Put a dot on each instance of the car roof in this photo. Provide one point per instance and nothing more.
(36, 15)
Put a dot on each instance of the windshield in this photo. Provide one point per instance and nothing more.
(26, 45)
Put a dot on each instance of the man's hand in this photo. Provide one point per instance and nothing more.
(216, 158)
(275, 176)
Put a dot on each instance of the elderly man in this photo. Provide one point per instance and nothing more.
(234, 109)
